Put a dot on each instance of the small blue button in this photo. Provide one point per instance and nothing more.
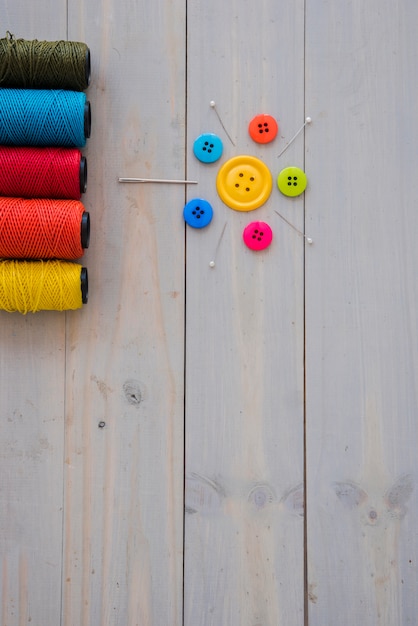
(198, 213)
(208, 148)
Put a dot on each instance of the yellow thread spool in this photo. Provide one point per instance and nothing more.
(30, 286)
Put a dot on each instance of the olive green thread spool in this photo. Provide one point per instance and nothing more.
(44, 64)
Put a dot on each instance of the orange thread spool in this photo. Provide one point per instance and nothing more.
(43, 229)
(52, 172)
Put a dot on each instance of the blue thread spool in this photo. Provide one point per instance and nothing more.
(44, 117)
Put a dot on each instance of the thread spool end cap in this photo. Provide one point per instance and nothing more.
(88, 67)
(83, 174)
(87, 119)
(85, 230)
(84, 285)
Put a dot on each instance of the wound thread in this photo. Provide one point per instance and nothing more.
(40, 117)
(44, 115)
(43, 229)
(52, 172)
(31, 286)
(44, 64)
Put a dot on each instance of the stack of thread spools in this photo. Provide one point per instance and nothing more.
(45, 118)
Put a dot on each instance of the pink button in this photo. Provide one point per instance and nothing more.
(257, 235)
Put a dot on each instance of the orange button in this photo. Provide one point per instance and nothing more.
(263, 128)
(244, 183)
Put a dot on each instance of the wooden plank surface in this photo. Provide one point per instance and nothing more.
(123, 529)
(244, 330)
(92, 402)
(32, 422)
(361, 312)
(91, 460)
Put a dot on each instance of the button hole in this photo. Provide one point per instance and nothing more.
(241, 174)
(236, 185)
(247, 189)
(252, 178)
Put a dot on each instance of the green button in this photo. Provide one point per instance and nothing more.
(292, 181)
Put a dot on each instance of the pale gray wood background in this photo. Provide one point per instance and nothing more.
(361, 312)
(224, 390)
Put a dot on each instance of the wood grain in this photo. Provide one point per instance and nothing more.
(244, 331)
(114, 369)
(31, 475)
(361, 307)
(32, 422)
(124, 478)
(183, 386)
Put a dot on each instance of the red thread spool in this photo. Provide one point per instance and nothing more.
(43, 229)
(27, 172)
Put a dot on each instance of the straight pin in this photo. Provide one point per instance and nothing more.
(308, 239)
(308, 120)
(212, 263)
(158, 180)
(213, 105)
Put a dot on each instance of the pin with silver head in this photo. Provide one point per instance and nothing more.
(212, 104)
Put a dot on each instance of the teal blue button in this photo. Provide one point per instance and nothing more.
(208, 148)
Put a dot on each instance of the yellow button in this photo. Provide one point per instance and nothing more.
(244, 183)
(292, 181)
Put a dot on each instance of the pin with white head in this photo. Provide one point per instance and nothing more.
(307, 239)
(212, 104)
(212, 262)
(308, 120)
